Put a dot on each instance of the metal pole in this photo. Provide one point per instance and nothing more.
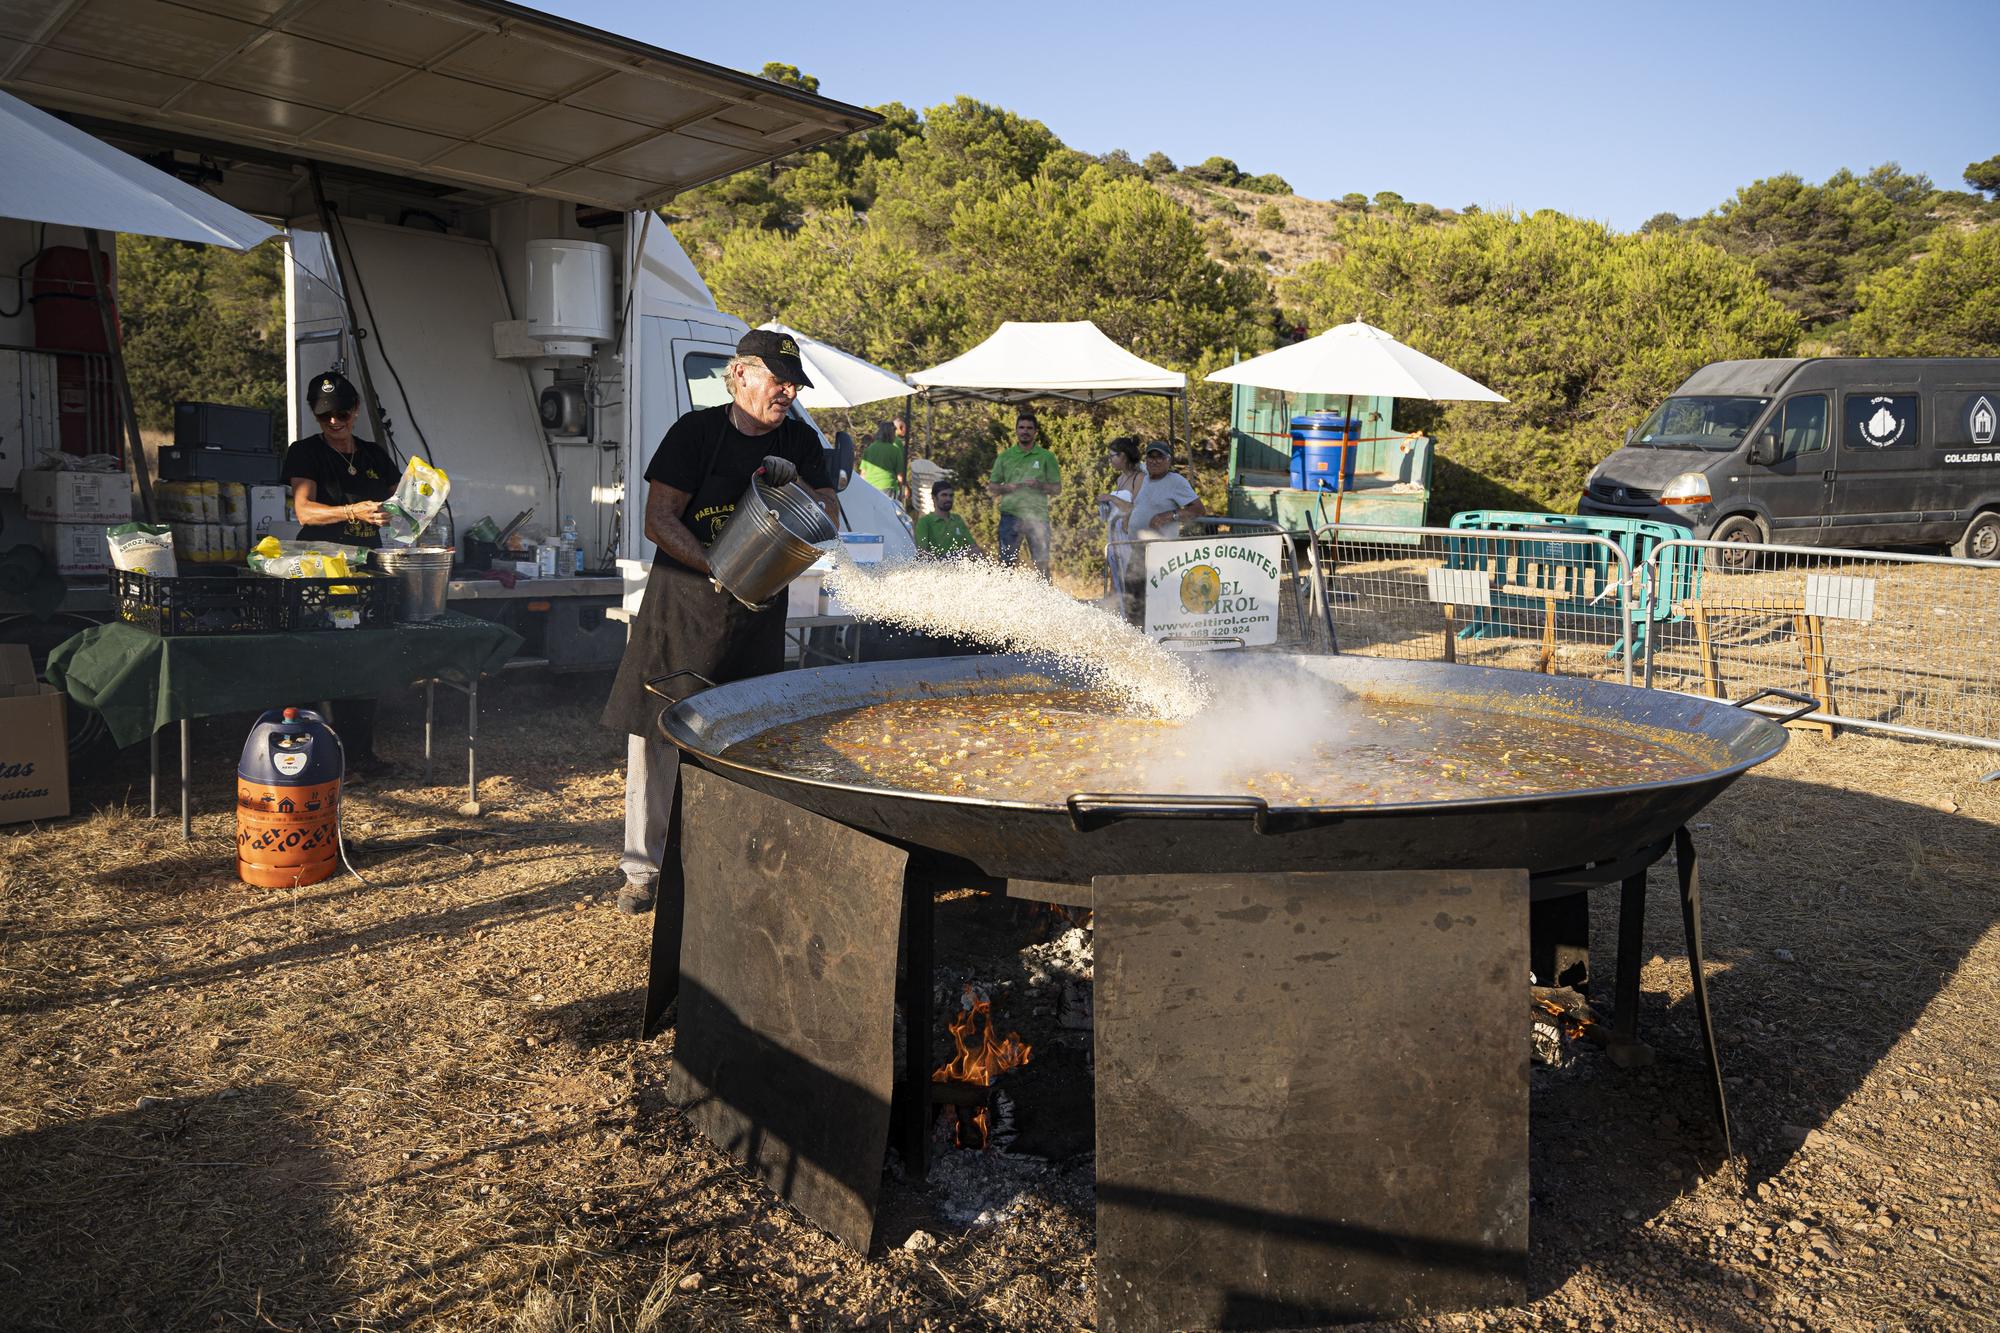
(187, 816)
(120, 384)
(430, 699)
(472, 745)
(153, 776)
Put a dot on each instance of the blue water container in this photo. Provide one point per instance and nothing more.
(1323, 451)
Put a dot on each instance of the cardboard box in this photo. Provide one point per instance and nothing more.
(77, 497)
(271, 514)
(77, 548)
(34, 742)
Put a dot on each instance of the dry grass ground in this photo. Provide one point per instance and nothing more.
(419, 1103)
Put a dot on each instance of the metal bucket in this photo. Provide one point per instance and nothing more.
(422, 573)
(768, 542)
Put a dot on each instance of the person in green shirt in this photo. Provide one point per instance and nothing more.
(942, 532)
(881, 461)
(1023, 479)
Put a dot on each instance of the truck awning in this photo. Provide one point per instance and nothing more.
(57, 173)
(478, 93)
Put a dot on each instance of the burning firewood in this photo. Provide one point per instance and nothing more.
(978, 1117)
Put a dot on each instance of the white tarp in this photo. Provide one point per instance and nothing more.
(1069, 360)
(840, 379)
(54, 172)
(1357, 359)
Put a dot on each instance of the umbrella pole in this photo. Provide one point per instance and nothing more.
(1340, 477)
(100, 283)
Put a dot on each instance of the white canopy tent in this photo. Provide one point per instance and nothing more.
(840, 379)
(1072, 360)
(1023, 361)
(56, 173)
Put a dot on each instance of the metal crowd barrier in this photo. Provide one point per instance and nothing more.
(1903, 644)
(1552, 601)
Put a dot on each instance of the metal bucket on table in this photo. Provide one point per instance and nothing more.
(422, 573)
(768, 542)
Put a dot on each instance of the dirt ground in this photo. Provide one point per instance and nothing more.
(420, 1102)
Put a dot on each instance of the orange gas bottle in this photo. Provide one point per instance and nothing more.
(288, 801)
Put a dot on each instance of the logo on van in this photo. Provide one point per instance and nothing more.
(1882, 427)
(1981, 420)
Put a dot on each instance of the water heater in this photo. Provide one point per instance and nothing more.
(569, 295)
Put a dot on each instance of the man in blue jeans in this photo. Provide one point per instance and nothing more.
(1024, 477)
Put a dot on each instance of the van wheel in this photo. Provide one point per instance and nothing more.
(1741, 533)
(1981, 540)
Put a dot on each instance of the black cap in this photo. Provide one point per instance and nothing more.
(1162, 450)
(331, 393)
(778, 351)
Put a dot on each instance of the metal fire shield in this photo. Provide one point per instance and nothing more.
(1312, 1096)
(783, 1054)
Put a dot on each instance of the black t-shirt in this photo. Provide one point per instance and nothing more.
(373, 477)
(706, 456)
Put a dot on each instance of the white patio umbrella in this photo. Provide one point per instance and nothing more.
(1361, 361)
(57, 173)
(840, 379)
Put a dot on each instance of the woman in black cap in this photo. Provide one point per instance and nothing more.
(338, 481)
(338, 485)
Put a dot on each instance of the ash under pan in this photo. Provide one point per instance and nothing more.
(1110, 833)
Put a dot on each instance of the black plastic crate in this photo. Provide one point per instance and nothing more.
(250, 604)
(313, 603)
(243, 430)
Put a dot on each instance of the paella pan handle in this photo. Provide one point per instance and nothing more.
(1806, 703)
(1092, 810)
(654, 685)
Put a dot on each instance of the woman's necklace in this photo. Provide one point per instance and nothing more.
(346, 455)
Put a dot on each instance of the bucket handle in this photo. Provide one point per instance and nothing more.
(653, 685)
(1092, 810)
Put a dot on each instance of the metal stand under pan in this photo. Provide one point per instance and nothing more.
(1312, 1098)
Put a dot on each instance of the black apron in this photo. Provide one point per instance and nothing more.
(685, 624)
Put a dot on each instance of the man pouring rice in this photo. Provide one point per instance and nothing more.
(701, 469)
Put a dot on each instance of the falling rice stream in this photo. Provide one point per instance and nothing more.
(1016, 610)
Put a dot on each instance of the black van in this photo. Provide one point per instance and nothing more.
(1819, 451)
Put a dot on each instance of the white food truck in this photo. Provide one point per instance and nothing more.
(467, 190)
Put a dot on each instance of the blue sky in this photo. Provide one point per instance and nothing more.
(1610, 110)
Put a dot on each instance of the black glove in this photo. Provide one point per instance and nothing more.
(779, 471)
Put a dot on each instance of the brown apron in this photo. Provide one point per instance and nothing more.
(684, 624)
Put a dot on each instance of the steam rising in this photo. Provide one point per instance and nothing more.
(1016, 610)
(1268, 715)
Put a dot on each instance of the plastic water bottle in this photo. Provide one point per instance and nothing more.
(568, 550)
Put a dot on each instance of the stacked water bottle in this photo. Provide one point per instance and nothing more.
(569, 550)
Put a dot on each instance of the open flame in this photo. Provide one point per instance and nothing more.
(1574, 1024)
(979, 1061)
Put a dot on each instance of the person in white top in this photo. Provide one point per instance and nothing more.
(1165, 501)
(1113, 507)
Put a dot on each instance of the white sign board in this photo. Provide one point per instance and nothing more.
(1218, 588)
(1840, 597)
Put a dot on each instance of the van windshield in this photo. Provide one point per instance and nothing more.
(1700, 423)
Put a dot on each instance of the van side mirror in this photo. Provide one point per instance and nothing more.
(1764, 448)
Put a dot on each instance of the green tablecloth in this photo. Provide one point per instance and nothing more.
(141, 682)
